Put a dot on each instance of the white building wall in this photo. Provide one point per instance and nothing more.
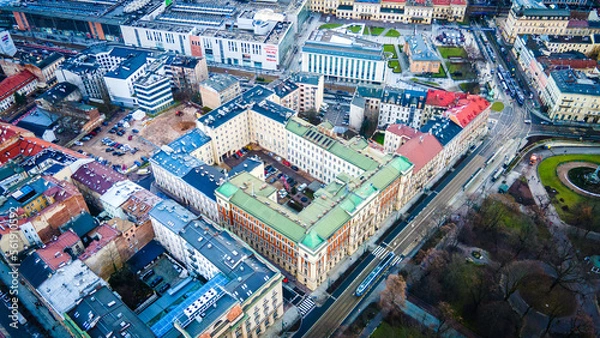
(178, 42)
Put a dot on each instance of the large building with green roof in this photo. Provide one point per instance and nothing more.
(342, 215)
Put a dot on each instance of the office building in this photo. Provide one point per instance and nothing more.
(153, 93)
(343, 57)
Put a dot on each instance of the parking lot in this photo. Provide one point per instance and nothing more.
(123, 141)
(338, 110)
(161, 275)
(278, 170)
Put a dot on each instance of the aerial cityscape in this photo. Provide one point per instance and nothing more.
(299, 168)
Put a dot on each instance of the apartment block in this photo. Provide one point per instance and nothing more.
(217, 90)
(243, 295)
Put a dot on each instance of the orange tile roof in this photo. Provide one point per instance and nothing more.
(53, 254)
(15, 82)
(469, 109)
(420, 150)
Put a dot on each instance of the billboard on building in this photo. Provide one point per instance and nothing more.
(7, 46)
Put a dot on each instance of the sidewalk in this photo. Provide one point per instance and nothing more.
(320, 295)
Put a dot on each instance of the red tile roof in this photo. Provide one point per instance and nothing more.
(441, 2)
(401, 1)
(53, 254)
(402, 130)
(468, 109)
(106, 234)
(458, 2)
(61, 191)
(15, 82)
(17, 141)
(420, 150)
(577, 64)
(97, 177)
(577, 23)
(8, 131)
(442, 98)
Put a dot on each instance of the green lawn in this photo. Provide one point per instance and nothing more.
(379, 138)
(330, 26)
(392, 33)
(470, 87)
(441, 74)
(354, 28)
(447, 52)
(464, 70)
(390, 49)
(385, 330)
(395, 65)
(376, 31)
(548, 176)
(497, 106)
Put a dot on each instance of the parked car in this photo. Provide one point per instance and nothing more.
(113, 131)
(146, 275)
(135, 131)
(294, 168)
(130, 138)
(144, 159)
(108, 150)
(156, 281)
(164, 288)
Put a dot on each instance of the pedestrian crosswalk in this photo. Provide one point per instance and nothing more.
(381, 252)
(306, 306)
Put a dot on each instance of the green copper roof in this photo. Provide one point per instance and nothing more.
(269, 216)
(227, 189)
(331, 222)
(353, 157)
(326, 125)
(312, 240)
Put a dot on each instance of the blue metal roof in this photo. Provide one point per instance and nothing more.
(128, 67)
(247, 165)
(206, 179)
(570, 81)
(238, 105)
(443, 129)
(176, 158)
(146, 255)
(35, 270)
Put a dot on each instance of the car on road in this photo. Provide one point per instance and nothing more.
(545, 123)
(146, 275)
(286, 163)
(294, 168)
(527, 121)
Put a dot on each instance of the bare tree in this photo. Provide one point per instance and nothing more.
(394, 295)
(584, 217)
(565, 267)
(514, 274)
(582, 325)
(555, 311)
(447, 314)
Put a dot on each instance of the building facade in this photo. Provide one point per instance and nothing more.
(220, 88)
(343, 57)
(153, 93)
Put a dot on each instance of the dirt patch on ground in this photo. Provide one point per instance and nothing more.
(520, 191)
(168, 126)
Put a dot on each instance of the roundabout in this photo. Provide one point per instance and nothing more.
(579, 177)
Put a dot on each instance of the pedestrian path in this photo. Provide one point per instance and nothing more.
(306, 306)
